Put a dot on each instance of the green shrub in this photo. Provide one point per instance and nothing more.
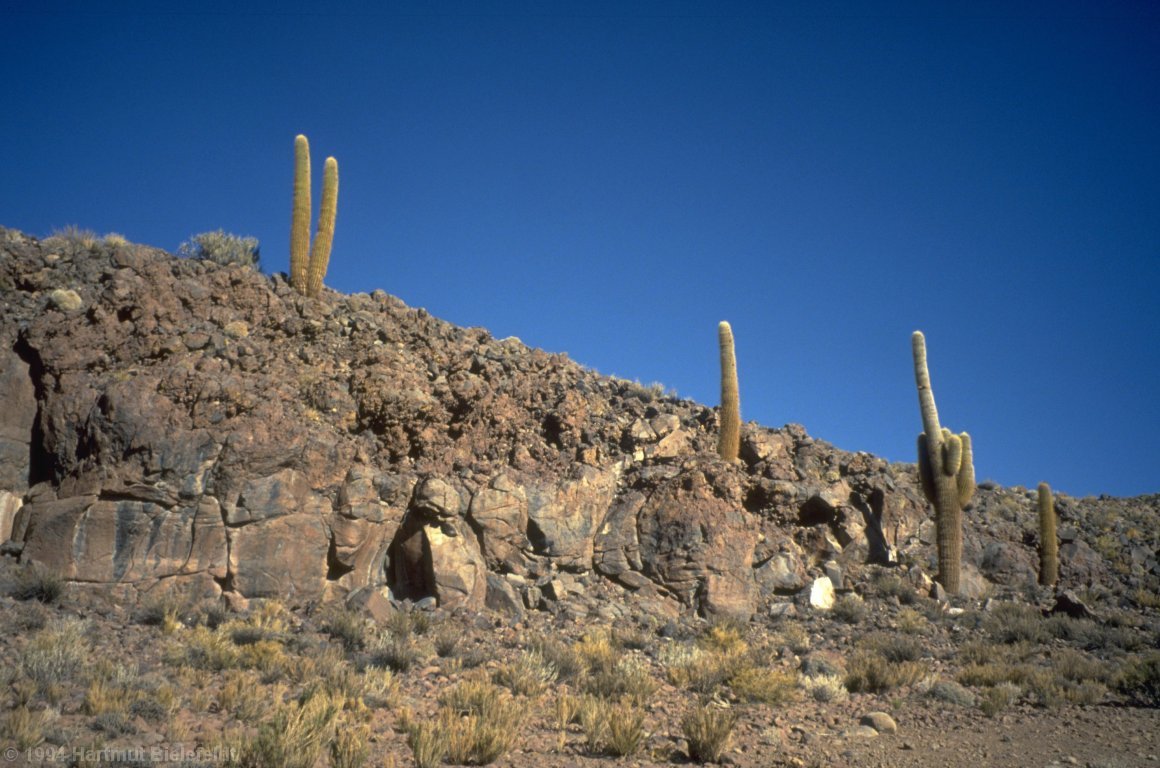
(221, 248)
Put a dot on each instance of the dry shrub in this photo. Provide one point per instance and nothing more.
(764, 685)
(869, 672)
(708, 730)
(528, 675)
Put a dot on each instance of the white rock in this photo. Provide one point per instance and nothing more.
(822, 594)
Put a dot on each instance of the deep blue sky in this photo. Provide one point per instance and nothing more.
(611, 179)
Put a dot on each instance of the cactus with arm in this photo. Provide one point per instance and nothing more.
(946, 472)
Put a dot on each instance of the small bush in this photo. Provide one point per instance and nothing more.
(825, 687)
(481, 726)
(851, 609)
(528, 675)
(625, 729)
(396, 652)
(164, 612)
(795, 637)
(428, 745)
(1139, 680)
(293, 737)
(446, 641)
(912, 621)
(894, 648)
(350, 747)
(204, 649)
(24, 728)
(1015, 623)
(870, 673)
(242, 696)
(37, 583)
(767, 686)
(567, 661)
(994, 700)
(708, 730)
(114, 723)
(952, 693)
(629, 677)
(55, 655)
(221, 248)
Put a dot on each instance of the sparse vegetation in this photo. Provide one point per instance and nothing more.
(221, 247)
(708, 730)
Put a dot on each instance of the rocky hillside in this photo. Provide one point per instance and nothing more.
(174, 424)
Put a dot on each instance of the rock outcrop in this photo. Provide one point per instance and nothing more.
(174, 424)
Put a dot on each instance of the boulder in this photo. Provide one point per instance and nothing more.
(499, 514)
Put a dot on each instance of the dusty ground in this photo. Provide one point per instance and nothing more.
(160, 679)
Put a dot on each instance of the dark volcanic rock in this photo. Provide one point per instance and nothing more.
(178, 424)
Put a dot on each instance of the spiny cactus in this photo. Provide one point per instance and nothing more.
(320, 253)
(946, 472)
(1048, 546)
(308, 265)
(300, 219)
(729, 441)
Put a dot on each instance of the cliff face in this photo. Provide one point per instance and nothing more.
(174, 424)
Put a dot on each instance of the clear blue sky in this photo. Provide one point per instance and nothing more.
(611, 179)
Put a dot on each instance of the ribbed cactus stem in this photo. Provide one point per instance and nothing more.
(946, 473)
(320, 253)
(729, 440)
(1048, 545)
(300, 217)
(966, 475)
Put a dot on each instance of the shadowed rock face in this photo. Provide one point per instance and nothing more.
(204, 428)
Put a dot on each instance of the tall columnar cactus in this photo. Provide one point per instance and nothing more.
(307, 265)
(729, 441)
(1048, 546)
(320, 253)
(946, 472)
(300, 219)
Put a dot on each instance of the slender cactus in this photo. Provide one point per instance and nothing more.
(300, 220)
(1048, 545)
(308, 265)
(320, 253)
(946, 473)
(729, 440)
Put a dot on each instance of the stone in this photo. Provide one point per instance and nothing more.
(1069, 604)
(563, 519)
(65, 299)
(10, 504)
(879, 721)
(783, 573)
(502, 597)
(698, 544)
(280, 557)
(499, 513)
(822, 594)
(373, 601)
(436, 496)
(458, 567)
(834, 573)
